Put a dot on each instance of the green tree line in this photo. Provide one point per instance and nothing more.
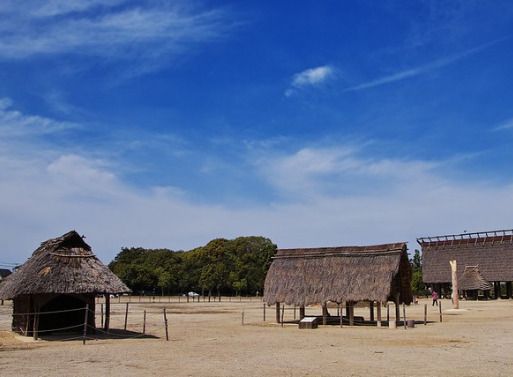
(222, 266)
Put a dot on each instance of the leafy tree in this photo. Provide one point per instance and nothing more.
(417, 285)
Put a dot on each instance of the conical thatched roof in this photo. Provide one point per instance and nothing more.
(355, 273)
(472, 279)
(62, 265)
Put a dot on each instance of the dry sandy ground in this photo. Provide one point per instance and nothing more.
(208, 339)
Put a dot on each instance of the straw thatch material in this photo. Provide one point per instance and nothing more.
(340, 274)
(472, 280)
(63, 265)
(492, 253)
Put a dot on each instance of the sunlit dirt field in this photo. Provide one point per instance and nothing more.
(208, 339)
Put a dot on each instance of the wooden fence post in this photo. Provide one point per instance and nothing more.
(165, 324)
(126, 315)
(85, 324)
(35, 324)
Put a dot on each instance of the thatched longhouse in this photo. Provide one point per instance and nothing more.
(63, 274)
(492, 251)
(305, 277)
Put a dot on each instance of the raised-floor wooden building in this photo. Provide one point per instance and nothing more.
(484, 260)
(375, 274)
(52, 288)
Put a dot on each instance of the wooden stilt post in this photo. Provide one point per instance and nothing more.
(378, 309)
(351, 314)
(242, 317)
(301, 312)
(282, 314)
(371, 309)
(509, 290)
(388, 312)
(397, 310)
(126, 315)
(263, 307)
(324, 314)
(425, 314)
(107, 312)
(84, 335)
(340, 317)
(144, 322)
(277, 312)
(294, 312)
(440, 309)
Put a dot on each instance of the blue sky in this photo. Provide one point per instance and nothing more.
(167, 124)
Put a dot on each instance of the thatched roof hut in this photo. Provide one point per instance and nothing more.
(340, 274)
(473, 280)
(62, 274)
(491, 251)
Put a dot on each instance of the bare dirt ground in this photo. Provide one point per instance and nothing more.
(208, 339)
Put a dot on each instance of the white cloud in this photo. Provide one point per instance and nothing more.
(114, 29)
(310, 77)
(14, 123)
(309, 171)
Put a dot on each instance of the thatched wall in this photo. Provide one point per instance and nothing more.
(340, 274)
(28, 307)
(493, 255)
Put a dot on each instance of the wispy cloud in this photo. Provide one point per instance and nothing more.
(506, 125)
(342, 170)
(14, 123)
(115, 29)
(310, 77)
(422, 69)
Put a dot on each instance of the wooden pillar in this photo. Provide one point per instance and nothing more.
(351, 314)
(455, 289)
(371, 310)
(301, 312)
(397, 309)
(496, 289)
(324, 314)
(278, 313)
(378, 309)
(107, 312)
(509, 290)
